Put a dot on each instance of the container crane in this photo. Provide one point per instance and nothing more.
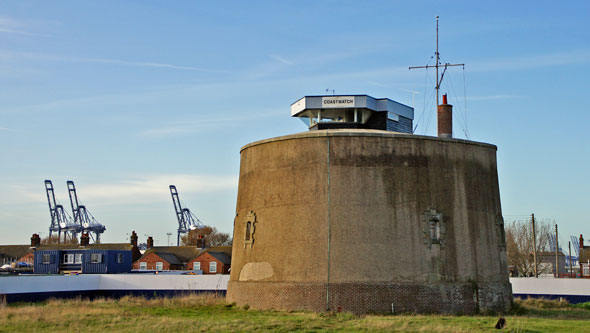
(187, 221)
(60, 222)
(82, 217)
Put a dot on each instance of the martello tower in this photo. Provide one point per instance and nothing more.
(358, 214)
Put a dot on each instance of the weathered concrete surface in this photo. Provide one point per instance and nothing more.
(340, 216)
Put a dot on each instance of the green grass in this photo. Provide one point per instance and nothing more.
(208, 313)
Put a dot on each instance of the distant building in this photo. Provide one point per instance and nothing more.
(30, 254)
(212, 260)
(84, 261)
(546, 262)
(584, 259)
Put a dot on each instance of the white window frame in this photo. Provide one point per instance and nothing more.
(46, 258)
(68, 258)
(96, 258)
(159, 266)
(196, 266)
(78, 258)
(143, 265)
(212, 267)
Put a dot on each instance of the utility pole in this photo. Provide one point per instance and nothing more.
(534, 247)
(556, 251)
(438, 65)
(569, 244)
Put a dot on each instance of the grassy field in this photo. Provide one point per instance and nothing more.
(207, 313)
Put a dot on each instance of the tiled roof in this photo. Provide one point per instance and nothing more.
(169, 257)
(14, 251)
(221, 256)
(182, 253)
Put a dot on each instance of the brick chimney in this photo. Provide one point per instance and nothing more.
(150, 242)
(133, 238)
(200, 241)
(581, 242)
(35, 240)
(445, 119)
(84, 239)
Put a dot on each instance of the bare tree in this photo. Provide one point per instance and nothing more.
(211, 236)
(519, 245)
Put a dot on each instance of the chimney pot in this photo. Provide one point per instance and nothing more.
(133, 238)
(445, 119)
(150, 242)
(35, 240)
(581, 242)
(85, 239)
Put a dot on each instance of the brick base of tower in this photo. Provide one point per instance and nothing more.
(359, 298)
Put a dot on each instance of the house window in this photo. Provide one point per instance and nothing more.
(143, 265)
(586, 270)
(196, 266)
(159, 266)
(119, 258)
(47, 258)
(96, 258)
(68, 258)
(213, 267)
(78, 258)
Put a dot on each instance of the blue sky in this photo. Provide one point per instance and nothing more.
(126, 98)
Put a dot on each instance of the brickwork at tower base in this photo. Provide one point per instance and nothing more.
(453, 298)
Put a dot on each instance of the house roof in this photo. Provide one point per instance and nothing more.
(224, 249)
(169, 257)
(181, 253)
(188, 253)
(221, 256)
(584, 255)
(14, 251)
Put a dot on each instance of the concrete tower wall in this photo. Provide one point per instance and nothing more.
(342, 219)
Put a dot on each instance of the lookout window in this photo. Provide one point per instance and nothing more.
(434, 225)
(434, 228)
(248, 228)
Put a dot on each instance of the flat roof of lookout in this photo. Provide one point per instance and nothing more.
(349, 102)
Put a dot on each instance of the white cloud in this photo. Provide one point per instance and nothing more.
(576, 57)
(143, 189)
(12, 26)
(491, 97)
(180, 127)
(143, 64)
(281, 59)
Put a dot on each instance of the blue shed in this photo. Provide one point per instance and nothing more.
(47, 262)
(86, 261)
(106, 261)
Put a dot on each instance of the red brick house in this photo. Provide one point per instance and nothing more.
(163, 258)
(212, 260)
(211, 263)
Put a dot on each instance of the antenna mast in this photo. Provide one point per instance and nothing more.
(437, 65)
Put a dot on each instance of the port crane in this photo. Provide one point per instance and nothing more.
(82, 217)
(187, 221)
(60, 221)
